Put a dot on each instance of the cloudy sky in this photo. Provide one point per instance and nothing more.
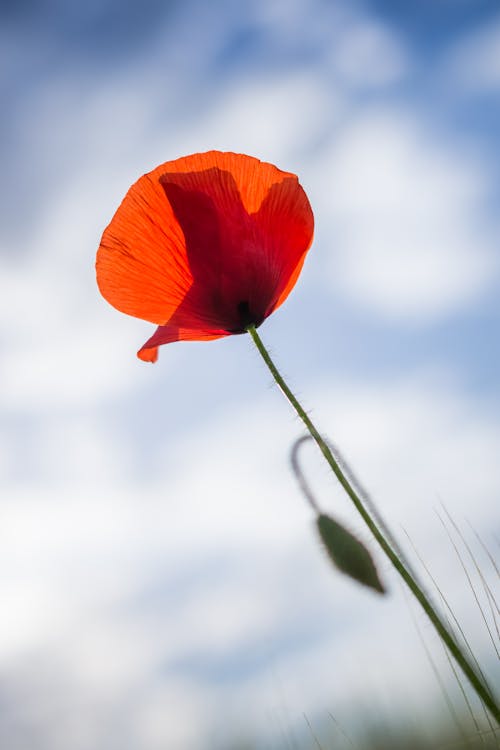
(161, 584)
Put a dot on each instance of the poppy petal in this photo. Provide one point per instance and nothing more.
(204, 246)
(224, 251)
(141, 263)
(253, 178)
(286, 223)
(170, 333)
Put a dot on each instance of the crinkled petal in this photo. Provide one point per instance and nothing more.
(205, 245)
(286, 224)
(169, 333)
(141, 265)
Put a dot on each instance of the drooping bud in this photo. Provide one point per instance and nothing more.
(347, 553)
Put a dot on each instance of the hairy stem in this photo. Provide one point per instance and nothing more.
(479, 685)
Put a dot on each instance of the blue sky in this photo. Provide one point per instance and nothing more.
(158, 562)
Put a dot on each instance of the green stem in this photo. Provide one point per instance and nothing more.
(481, 688)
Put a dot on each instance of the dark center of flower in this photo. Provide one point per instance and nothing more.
(245, 317)
(244, 312)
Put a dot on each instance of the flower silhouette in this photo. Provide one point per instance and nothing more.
(205, 246)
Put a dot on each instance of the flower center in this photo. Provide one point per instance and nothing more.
(244, 312)
(245, 317)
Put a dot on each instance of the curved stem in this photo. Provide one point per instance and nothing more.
(480, 687)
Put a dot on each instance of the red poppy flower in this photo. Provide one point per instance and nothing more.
(205, 246)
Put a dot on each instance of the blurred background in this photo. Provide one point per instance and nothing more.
(161, 585)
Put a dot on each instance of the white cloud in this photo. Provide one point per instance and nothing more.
(366, 53)
(130, 606)
(473, 63)
(406, 215)
(206, 586)
(271, 118)
(64, 346)
(359, 50)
